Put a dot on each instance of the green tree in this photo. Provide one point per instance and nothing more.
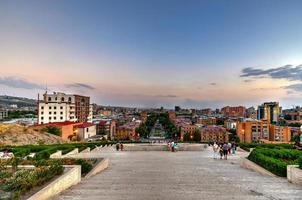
(196, 136)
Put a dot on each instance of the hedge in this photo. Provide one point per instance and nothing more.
(300, 162)
(273, 165)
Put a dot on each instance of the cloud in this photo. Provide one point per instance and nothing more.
(16, 82)
(294, 88)
(213, 84)
(248, 80)
(288, 72)
(80, 86)
(167, 96)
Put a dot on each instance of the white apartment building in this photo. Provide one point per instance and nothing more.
(60, 107)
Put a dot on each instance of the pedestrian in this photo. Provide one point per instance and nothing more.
(122, 147)
(233, 148)
(229, 148)
(172, 146)
(117, 146)
(215, 149)
(225, 151)
(220, 150)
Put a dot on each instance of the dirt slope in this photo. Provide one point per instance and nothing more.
(12, 134)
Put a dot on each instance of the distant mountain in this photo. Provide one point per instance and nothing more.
(6, 101)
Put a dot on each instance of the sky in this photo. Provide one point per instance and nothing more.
(142, 53)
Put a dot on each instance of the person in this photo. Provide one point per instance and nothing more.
(220, 150)
(172, 146)
(233, 148)
(175, 146)
(117, 146)
(122, 147)
(229, 148)
(225, 151)
(215, 149)
(169, 146)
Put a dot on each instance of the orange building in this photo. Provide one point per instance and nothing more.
(68, 130)
(144, 116)
(214, 134)
(207, 121)
(252, 131)
(172, 115)
(280, 133)
(127, 131)
(238, 111)
(187, 129)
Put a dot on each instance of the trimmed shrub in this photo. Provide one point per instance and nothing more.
(271, 164)
(300, 162)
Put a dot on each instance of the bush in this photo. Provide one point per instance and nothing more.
(85, 166)
(300, 162)
(24, 180)
(271, 164)
(52, 130)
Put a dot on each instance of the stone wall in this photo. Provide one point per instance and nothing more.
(294, 174)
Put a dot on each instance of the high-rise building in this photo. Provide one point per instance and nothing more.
(269, 111)
(251, 113)
(60, 107)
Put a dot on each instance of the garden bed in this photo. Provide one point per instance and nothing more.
(21, 182)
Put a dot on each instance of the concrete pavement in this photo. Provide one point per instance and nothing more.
(151, 175)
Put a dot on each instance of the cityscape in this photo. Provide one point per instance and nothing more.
(150, 100)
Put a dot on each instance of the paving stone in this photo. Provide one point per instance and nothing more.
(151, 175)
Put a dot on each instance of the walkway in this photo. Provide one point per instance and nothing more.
(181, 175)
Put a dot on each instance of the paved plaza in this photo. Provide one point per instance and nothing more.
(146, 175)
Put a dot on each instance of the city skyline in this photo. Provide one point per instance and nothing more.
(149, 54)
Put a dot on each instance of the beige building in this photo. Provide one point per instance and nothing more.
(3, 114)
(61, 107)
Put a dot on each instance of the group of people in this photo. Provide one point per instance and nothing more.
(223, 150)
(172, 146)
(119, 146)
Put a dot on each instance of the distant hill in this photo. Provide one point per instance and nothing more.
(6, 101)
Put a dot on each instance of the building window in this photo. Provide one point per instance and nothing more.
(42, 107)
(61, 107)
(42, 118)
(49, 107)
(56, 98)
(54, 118)
(54, 113)
(42, 113)
(50, 113)
(61, 113)
(49, 118)
(55, 107)
(87, 129)
(49, 98)
(61, 118)
(62, 99)
(69, 99)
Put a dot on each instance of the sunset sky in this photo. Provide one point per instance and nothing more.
(151, 53)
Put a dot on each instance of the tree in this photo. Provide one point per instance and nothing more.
(196, 136)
